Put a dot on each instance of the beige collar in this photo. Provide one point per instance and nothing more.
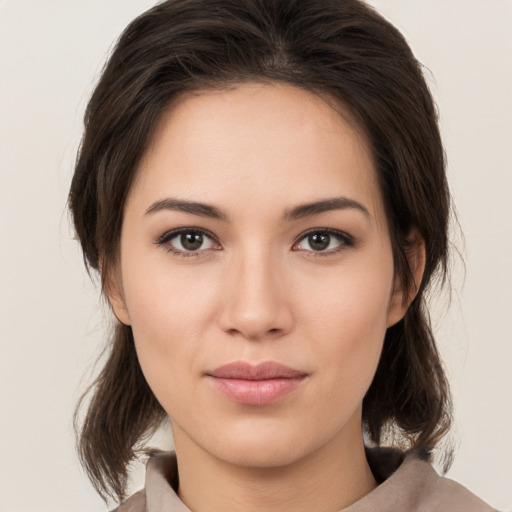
(408, 485)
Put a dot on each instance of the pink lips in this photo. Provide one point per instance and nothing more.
(259, 384)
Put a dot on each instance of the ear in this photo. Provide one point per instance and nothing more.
(403, 296)
(113, 288)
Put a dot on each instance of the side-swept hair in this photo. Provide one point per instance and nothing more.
(342, 48)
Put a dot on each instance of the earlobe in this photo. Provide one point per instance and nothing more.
(403, 296)
(113, 288)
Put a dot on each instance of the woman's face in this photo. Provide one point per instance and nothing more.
(256, 272)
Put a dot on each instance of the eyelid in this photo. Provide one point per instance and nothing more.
(345, 239)
(164, 239)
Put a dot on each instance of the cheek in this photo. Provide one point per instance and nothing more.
(347, 318)
(169, 312)
(352, 298)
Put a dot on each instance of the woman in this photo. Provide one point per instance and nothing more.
(261, 186)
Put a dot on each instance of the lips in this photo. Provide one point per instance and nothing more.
(260, 384)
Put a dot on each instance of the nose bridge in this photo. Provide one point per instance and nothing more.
(256, 305)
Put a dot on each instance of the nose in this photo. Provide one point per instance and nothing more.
(256, 303)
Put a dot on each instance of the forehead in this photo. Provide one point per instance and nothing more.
(275, 142)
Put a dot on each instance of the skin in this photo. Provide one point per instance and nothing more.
(258, 290)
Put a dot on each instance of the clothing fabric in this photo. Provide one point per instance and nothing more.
(406, 484)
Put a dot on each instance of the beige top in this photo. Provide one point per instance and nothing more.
(408, 485)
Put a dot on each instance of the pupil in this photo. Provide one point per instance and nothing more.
(191, 241)
(319, 241)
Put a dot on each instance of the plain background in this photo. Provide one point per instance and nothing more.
(52, 322)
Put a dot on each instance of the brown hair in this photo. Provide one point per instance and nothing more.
(339, 47)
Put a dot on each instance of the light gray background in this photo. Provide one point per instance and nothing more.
(51, 320)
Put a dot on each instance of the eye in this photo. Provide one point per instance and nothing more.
(187, 241)
(324, 242)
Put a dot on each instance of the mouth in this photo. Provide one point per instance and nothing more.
(260, 384)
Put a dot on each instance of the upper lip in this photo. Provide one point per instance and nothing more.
(262, 371)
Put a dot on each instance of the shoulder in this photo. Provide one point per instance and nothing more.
(408, 483)
(436, 493)
(452, 496)
(135, 503)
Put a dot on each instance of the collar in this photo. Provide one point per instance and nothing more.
(406, 484)
(402, 478)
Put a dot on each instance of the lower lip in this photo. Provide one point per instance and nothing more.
(256, 392)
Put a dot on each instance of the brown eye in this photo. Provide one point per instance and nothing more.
(187, 242)
(324, 242)
(319, 241)
(191, 241)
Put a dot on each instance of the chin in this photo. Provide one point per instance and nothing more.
(264, 454)
(263, 445)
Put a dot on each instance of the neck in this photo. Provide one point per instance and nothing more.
(328, 480)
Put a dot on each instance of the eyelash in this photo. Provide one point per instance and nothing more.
(345, 240)
(163, 241)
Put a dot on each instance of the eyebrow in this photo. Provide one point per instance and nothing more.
(181, 205)
(297, 212)
(324, 205)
